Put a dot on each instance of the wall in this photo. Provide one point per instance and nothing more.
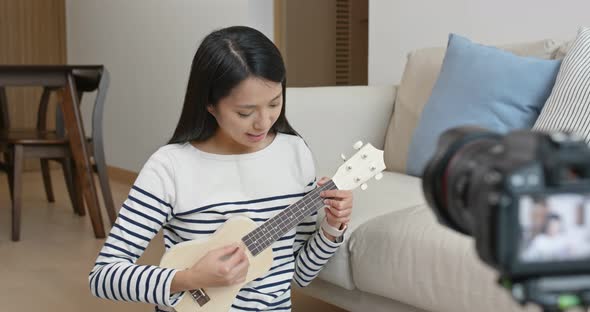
(31, 32)
(261, 16)
(399, 26)
(147, 45)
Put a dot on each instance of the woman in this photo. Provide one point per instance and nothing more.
(233, 153)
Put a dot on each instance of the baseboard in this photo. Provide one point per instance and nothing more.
(353, 300)
(122, 175)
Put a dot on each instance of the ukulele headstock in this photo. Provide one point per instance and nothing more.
(366, 163)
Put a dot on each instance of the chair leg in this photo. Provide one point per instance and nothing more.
(11, 189)
(101, 169)
(17, 196)
(78, 187)
(75, 196)
(10, 174)
(47, 180)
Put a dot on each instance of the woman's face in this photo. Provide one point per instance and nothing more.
(554, 227)
(247, 114)
(539, 214)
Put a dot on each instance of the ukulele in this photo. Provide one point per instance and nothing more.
(366, 163)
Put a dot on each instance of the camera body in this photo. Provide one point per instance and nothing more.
(523, 196)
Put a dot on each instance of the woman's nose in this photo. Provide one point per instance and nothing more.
(263, 121)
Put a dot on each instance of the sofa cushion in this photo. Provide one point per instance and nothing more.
(407, 256)
(481, 86)
(393, 192)
(420, 74)
(567, 106)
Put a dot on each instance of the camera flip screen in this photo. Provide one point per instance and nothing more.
(554, 227)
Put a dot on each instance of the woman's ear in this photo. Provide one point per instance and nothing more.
(211, 110)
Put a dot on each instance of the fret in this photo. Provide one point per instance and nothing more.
(279, 225)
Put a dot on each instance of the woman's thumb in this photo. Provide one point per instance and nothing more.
(227, 250)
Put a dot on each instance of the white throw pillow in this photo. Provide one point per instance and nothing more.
(568, 107)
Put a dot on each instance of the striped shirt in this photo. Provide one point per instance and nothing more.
(189, 193)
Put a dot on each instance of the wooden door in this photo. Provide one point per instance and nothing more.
(324, 43)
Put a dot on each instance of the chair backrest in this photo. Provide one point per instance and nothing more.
(89, 80)
(98, 111)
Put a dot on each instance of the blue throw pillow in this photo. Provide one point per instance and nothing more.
(483, 86)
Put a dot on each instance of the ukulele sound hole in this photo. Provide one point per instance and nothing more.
(200, 296)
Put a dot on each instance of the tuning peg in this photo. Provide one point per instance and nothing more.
(343, 157)
(358, 145)
(364, 186)
(378, 176)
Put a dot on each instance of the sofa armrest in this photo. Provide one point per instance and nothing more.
(331, 119)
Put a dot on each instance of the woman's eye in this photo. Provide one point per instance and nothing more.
(244, 115)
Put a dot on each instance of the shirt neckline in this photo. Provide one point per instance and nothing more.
(238, 156)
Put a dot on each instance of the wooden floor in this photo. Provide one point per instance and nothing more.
(48, 269)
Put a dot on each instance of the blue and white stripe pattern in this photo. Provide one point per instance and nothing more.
(156, 202)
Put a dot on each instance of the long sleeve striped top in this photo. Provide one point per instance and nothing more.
(188, 193)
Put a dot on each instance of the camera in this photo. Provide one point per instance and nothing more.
(524, 197)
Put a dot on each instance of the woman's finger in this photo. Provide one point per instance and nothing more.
(338, 204)
(323, 180)
(339, 213)
(336, 194)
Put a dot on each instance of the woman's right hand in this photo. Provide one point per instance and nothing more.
(219, 267)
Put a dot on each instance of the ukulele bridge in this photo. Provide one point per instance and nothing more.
(200, 296)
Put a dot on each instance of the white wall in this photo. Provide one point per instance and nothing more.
(261, 16)
(399, 26)
(147, 45)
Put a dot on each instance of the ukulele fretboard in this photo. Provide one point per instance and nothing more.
(276, 227)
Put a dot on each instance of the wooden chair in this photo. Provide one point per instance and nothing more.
(18, 144)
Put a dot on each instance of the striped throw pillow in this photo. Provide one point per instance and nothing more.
(568, 107)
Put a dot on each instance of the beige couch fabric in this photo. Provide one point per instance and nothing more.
(392, 193)
(407, 256)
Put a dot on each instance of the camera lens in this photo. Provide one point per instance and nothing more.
(460, 160)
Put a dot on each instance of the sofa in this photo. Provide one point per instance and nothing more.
(396, 257)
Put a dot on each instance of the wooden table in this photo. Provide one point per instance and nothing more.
(62, 76)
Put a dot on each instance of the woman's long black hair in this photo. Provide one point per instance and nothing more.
(225, 58)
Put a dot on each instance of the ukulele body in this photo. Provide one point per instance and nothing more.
(186, 254)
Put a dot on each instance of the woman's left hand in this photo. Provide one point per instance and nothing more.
(339, 204)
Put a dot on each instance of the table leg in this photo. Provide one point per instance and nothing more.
(75, 129)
